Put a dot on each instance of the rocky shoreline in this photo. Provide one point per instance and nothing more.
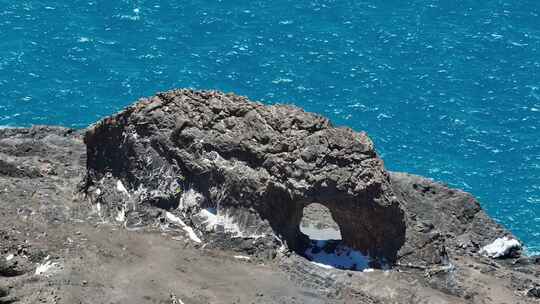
(192, 196)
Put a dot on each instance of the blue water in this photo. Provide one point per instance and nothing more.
(447, 89)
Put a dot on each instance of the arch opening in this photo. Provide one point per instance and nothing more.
(324, 245)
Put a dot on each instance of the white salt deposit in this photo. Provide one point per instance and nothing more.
(121, 216)
(98, 208)
(368, 270)
(190, 198)
(47, 266)
(211, 219)
(120, 187)
(242, 257)
(342, 257)
(175, 219)
(322, 265)
(216, 218)
(501, 247)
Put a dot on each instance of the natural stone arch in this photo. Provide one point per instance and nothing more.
(363, 224)
(260, 164)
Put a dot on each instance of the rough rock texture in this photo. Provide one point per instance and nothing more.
(260, 164)
(92, 255)
(441, 218)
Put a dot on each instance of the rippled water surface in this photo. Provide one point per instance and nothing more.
(447, 89)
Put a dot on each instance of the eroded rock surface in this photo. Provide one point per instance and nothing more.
(260, 165)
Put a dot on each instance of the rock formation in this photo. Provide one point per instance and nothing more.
(210, 171)
(259, 164)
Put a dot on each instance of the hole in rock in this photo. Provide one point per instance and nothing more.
(324, 243)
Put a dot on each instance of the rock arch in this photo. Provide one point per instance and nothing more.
(261, 164)
(365, 225)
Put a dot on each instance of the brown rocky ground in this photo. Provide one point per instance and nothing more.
(56, 248)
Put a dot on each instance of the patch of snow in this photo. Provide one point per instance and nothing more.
(322, 265)
(501, 247)
(242, 257)
(47, 266)
(120, 187)
(175, 299)
(211, 219)
(9, 257)
(175, 219)
(121, 216)
(341, 256)
(190, 198)
(216, 219)
(98, 208)
(368, 270)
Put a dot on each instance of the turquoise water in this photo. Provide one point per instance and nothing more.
(447, 89)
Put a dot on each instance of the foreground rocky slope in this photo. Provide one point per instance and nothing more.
(196, 197)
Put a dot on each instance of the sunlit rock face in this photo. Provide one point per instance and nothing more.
(257, 166)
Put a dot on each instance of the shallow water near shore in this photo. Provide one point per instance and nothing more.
(446, 90)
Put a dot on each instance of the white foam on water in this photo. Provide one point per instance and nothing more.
(500, 247)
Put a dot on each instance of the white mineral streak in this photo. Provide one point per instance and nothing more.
(216, 219)
(46, 266)
(175, 219)
(120, 187)
(190, 198)
(121, 216)
(242, 257)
